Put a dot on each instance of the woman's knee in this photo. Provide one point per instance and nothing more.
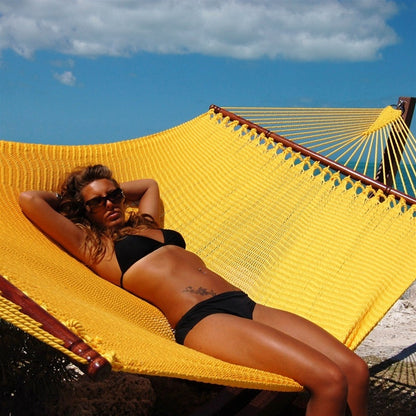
(332, 383)
(357, 372)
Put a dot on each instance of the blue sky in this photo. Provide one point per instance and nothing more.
(97, 71)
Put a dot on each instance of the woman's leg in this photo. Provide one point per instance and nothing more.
(254, 344)
(352, 366)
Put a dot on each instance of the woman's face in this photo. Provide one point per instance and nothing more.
(104, 203)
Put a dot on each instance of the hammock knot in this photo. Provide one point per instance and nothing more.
(243, 130)
(234, 124)
(360, 188)
(336, 178)
(263, 139)
(326, 173)
(75, 327)
(218, 117)
(386, 117)
(112, 358)
(297, 159)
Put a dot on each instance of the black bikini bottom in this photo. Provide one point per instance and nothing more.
(233, 303)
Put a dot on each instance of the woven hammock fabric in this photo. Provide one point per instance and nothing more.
(289, 233)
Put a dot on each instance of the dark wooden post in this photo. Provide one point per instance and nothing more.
(387, 171)
(98, 367)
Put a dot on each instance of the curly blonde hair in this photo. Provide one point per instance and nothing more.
(72, 206)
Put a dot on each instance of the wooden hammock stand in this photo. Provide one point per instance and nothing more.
(231, 399)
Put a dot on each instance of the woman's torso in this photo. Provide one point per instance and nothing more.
(170, 277)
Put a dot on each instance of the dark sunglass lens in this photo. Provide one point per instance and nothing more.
(116, 196)
(96, 202)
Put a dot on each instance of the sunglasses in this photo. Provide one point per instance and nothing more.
(98, 202)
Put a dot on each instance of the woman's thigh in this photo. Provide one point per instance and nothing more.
(254, 344)
(306, 332)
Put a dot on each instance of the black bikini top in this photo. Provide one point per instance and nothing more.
(132, 248)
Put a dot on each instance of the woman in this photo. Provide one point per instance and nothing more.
(88, 220)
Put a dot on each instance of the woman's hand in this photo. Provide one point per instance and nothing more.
(144, 192)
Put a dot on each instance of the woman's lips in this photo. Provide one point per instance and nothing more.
(113, 216)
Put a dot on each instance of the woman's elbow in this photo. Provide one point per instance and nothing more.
(30, 201)
(25, 199)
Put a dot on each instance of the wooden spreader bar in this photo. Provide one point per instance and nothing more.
(97, 368)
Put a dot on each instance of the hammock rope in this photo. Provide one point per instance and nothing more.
(356, 138)
(290, 232)
(11, 313)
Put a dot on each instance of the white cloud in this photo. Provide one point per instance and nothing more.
(66, 78)
(245, 29)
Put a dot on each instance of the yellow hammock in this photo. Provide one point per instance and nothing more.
(283, 229)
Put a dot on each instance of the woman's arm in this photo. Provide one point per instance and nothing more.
(145, 192)
(40, 207)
